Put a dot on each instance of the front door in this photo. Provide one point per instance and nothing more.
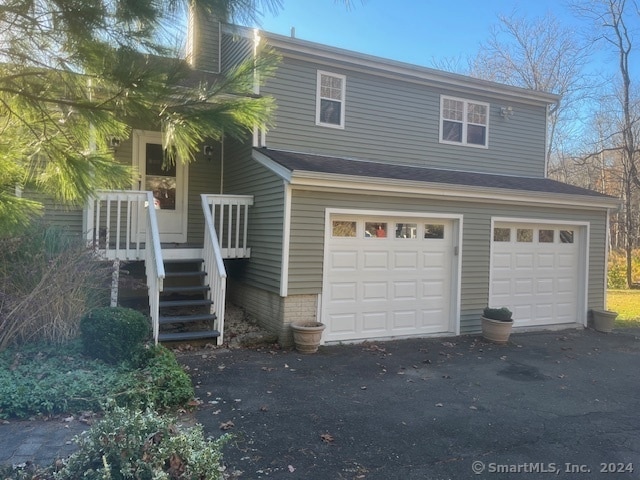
(167, 182)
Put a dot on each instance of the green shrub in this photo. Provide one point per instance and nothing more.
(161, 380)
(502, 314)
(113, 334)
(129, 444)
(134, 444)
(617, 274)
(46, 379)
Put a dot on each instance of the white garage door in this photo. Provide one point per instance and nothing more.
(387, 277)
(535, 271)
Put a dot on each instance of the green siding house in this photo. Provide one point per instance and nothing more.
(389, 201)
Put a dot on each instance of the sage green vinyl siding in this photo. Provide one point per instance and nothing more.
(66, 217)
(204, 177)
(307, 241)
(243, 176)
(398, 121)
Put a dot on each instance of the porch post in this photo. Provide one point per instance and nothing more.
(115, 280)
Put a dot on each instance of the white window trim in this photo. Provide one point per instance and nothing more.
(319, 98)
(464, 122)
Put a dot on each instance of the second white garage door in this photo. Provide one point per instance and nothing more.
(537, 271)
(388, 277)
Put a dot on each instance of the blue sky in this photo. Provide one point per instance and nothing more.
(413, 31)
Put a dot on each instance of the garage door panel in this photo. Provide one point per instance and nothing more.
(374, 322)
(566, 260)
(404, 320)
(433, 260)
(434, 289)
(345, 260)
(344, 323)
(405, 260)
(375, 291)
(565, 285)
(543, 286)
(344, 292)
(387, 286)
(501, 261)
(405, 291)
(546, 260)
(375, 260)
(501, 288)
(523, 286)
(523, 261)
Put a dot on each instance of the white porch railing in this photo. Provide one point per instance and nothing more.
(114, 223)
(153, 265)
(230, 214)
(214, 266)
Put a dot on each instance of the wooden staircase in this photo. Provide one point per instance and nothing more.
(185, 306)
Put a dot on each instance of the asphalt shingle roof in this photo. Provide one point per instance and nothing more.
(304, 162)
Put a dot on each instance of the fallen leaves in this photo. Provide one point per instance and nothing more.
(227, 425)
(327, 438)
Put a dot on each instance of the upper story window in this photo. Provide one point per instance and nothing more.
(330, 99)
(463, 122)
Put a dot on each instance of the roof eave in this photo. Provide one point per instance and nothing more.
(385, 186)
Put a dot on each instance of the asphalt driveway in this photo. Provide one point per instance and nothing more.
(547, 405)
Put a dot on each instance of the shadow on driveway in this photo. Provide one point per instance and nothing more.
(547, 405)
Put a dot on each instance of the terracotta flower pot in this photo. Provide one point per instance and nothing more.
(307, 336)
(496, 331)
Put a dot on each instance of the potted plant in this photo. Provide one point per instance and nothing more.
(307, 335)
(497, 324)
(603, 320)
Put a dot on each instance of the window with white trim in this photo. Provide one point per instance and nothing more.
(463, 122)
(330, 99)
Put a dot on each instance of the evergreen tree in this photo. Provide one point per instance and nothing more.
(75, 74)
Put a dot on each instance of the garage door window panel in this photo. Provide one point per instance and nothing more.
(434, 231)
(501, 234)
(343, 228)
(375, 229)
(546, 236)
(566, 236)
(406, 230)
(525, 235)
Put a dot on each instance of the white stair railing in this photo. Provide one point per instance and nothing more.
(214, 266)
(119, 225)
(230, 215)
(154, 266)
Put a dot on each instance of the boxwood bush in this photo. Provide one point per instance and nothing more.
(114, 334)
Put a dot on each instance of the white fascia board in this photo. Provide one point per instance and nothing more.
(385, 186)
(275, 167)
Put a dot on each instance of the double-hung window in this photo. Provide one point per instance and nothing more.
(330, 99)
(463, 122)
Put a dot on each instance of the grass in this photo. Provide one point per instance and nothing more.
(627, 304)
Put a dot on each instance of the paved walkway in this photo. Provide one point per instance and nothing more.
(547, 405)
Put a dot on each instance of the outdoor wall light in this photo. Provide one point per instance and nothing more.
(506, 112)
(207, 150)
(114, 142)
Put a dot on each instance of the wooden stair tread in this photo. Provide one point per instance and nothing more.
(182, 336)
(196, 317)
